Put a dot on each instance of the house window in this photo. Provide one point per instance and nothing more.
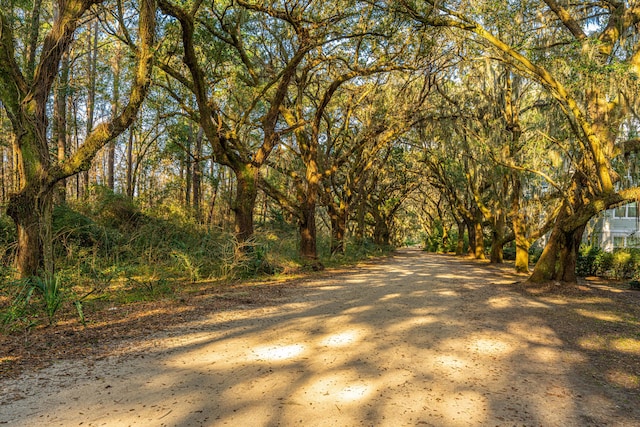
(618, 241)
(626, 211)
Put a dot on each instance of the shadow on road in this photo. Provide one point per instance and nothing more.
(416, 339)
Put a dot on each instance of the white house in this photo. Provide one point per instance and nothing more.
(615, 228)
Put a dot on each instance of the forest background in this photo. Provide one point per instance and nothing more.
(145, 145)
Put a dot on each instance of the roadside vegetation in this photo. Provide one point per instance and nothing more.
(109, 253)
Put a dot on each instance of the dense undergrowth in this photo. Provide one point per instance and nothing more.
(108, 251)
(619, 264)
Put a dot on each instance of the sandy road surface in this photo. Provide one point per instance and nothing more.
(413, 340)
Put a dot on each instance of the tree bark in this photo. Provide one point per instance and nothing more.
(245, 200)
(115, 107)
(522, 244)
(31, 211)
(338, 218)
(130, 187)
(307, 228)
(381, 233)
(558, 260)
(197, 177)
(3, 172)
(471, 231)
(460, 241)
(498, 239)
(92, 41)
(479, 238)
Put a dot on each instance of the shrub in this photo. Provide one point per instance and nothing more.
(625, 263)
(586, 263)
(114, 210)
(509, 252)
(535, 251)
(22, 309)
(18, 312)
(70, 226)
(50, 288)
(620, 264)
(603, 263)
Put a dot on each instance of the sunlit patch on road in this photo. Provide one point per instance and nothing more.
(340, 339)
(276, 353)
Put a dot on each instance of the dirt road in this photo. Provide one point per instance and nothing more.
(413, 340)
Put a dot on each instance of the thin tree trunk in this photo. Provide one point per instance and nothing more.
(187, 166)
(3, 194)
(471, 231)
(361, 212)
(60, 122)
(34, 32)
(497, 239)
(197, 176)
(91, 95)
(115, 109)
(460, 239)
(130, 185)
(212, 204)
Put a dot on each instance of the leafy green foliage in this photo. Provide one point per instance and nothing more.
(49, 286)
(27, 298)
(108, 249)
(17, 314)
(620, 264)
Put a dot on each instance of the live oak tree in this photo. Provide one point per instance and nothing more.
(600, 38)
(367, 47)
(257, 81)
(26, 83)
(485, 151)
(358, 128)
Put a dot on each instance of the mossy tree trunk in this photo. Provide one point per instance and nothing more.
(308, 235)
(471, 232)
(460, 241)
(498, 234)
(338, 217)
(522, 245)
(245, 200)
(558, 259)
(31, 210)
(479, 237)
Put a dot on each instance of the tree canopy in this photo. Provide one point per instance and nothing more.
(472, 125)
